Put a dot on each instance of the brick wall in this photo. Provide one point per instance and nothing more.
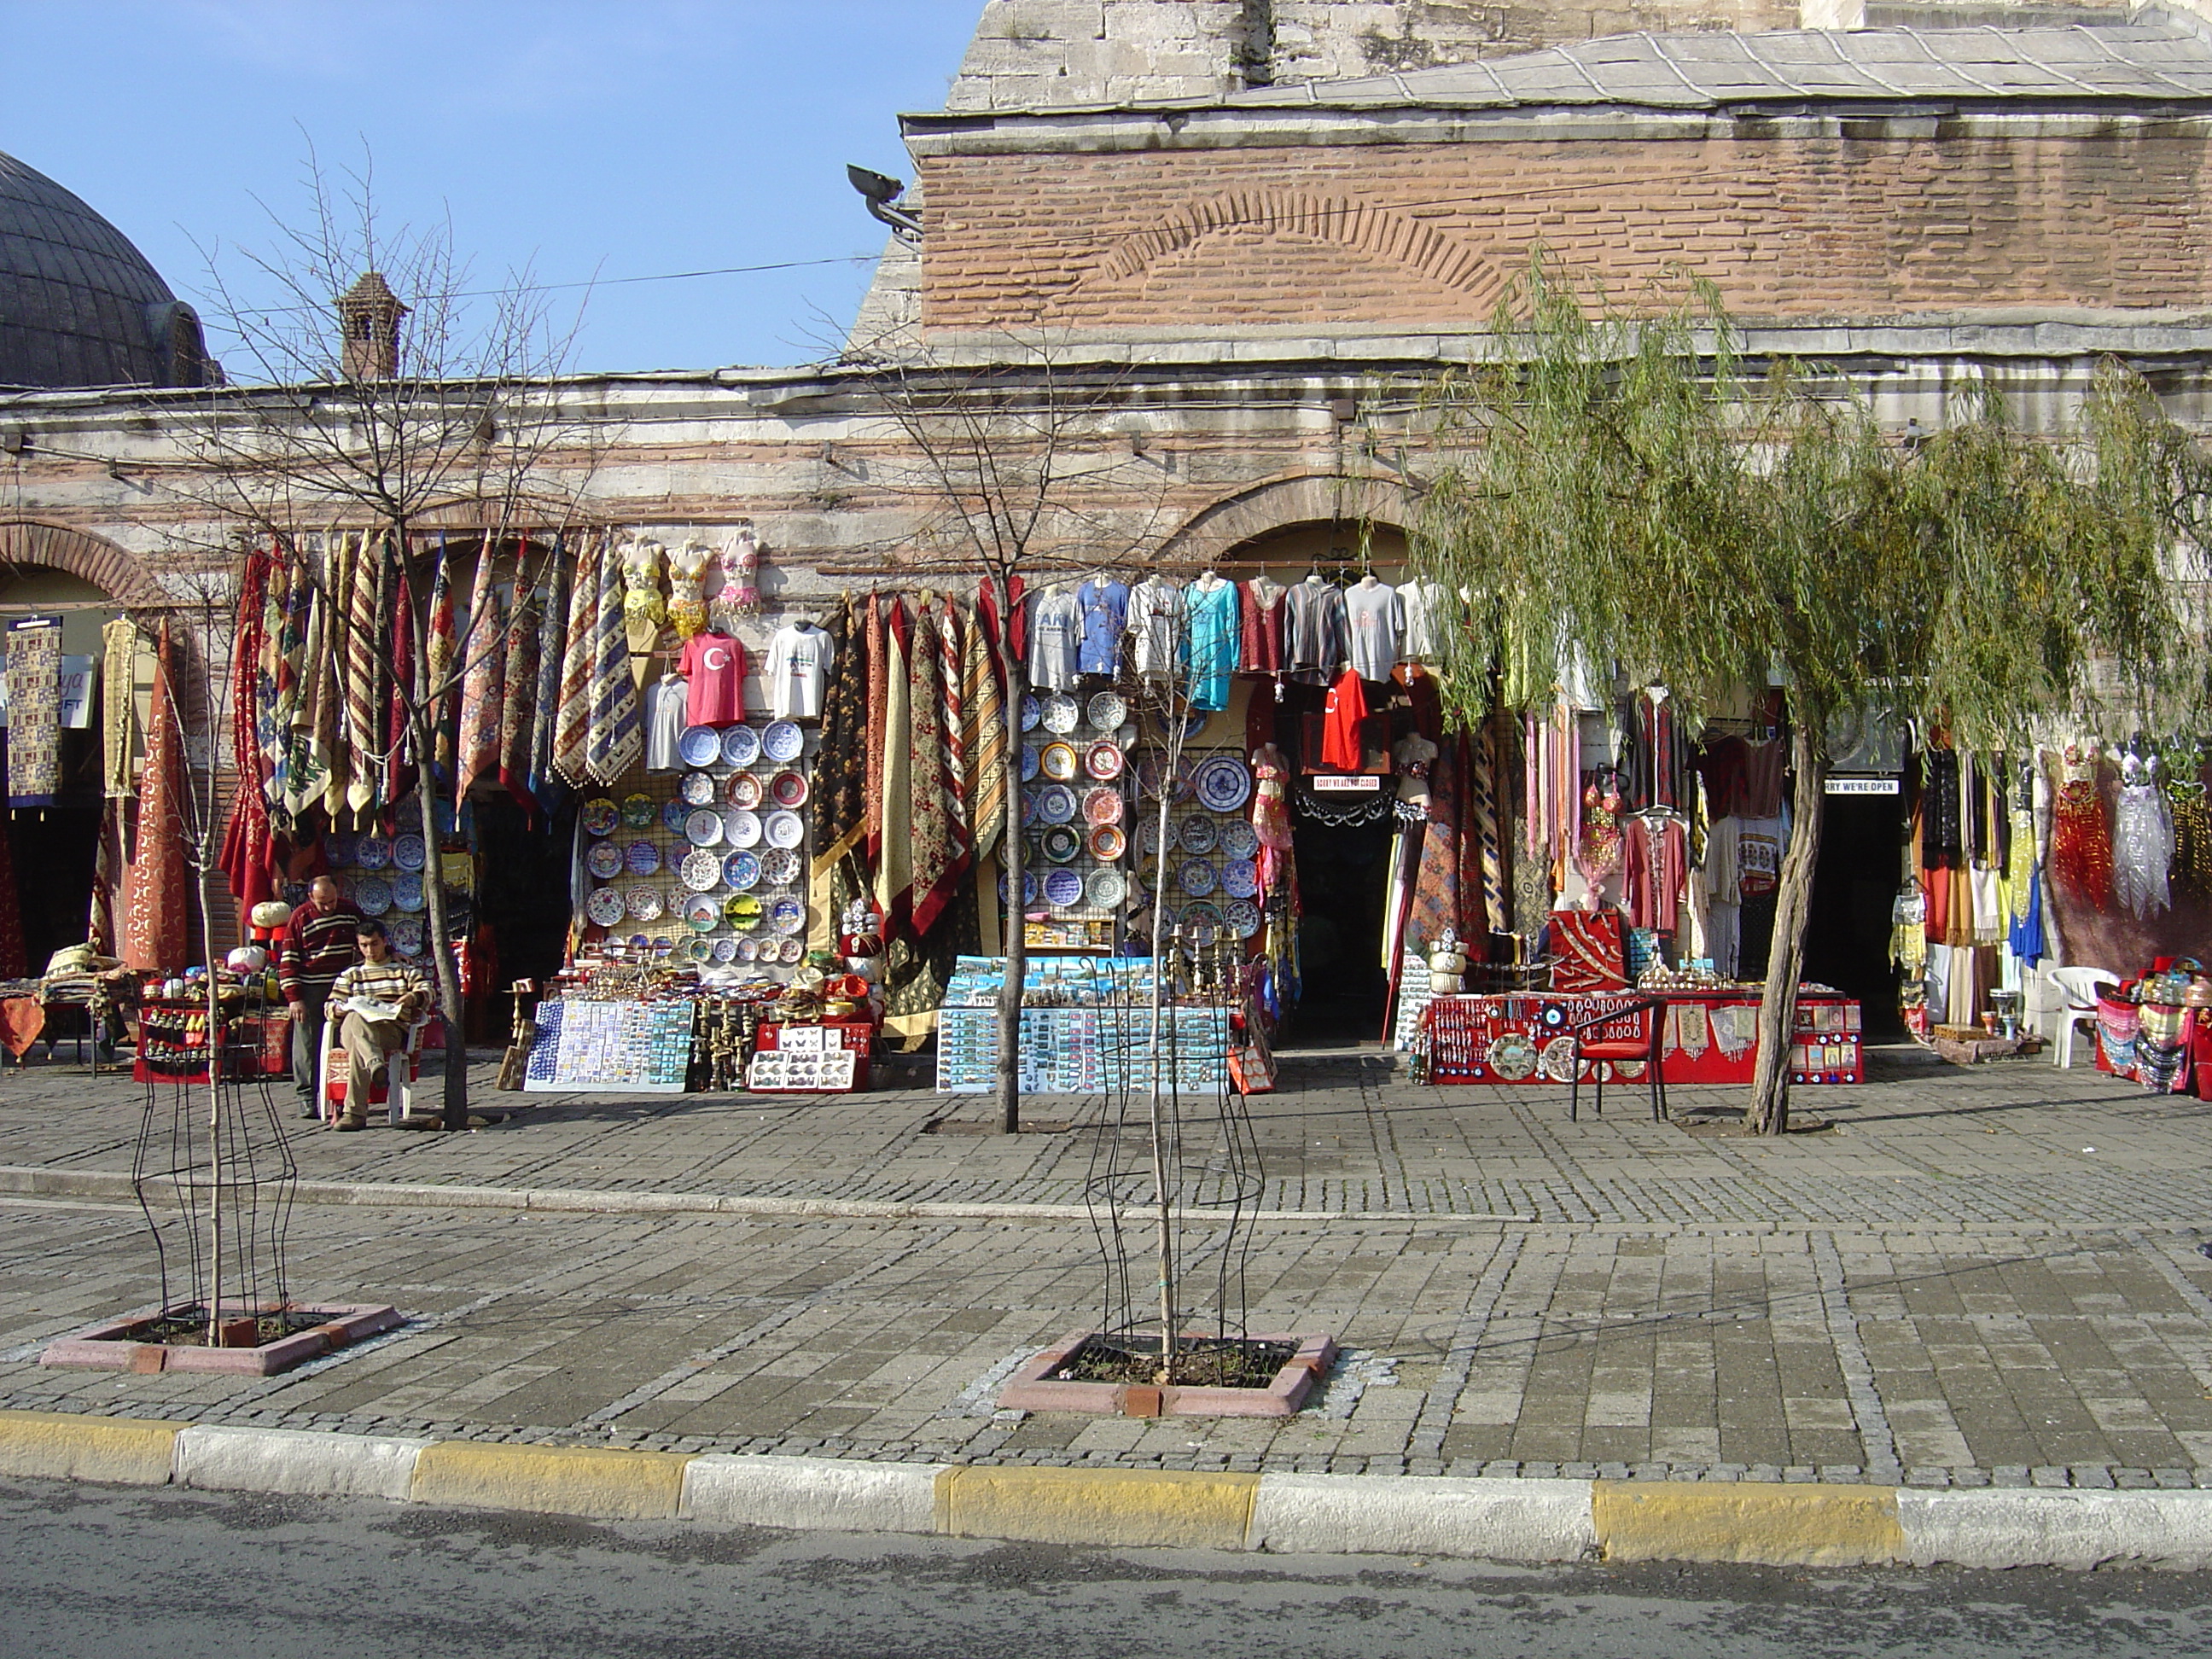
(1424, 234)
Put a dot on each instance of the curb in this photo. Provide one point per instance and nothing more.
(1501, 1520)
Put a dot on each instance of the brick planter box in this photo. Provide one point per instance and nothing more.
(114, 1346)
(1033, 1388)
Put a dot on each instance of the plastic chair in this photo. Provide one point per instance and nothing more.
(402, 1071)
(2078, 986)
(1650, 1015)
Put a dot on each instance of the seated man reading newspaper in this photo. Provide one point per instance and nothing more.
(379, 997)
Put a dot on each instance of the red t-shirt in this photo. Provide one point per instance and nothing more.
(1346, 708)
(715, 666)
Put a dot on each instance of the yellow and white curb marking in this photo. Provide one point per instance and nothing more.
(1505, 1520)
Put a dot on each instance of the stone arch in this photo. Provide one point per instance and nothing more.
(1278, 503)
(1380, 231)
(90, 558)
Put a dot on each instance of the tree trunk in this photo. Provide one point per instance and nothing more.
(1769, 1114)
(1011, 861)
(422, 722)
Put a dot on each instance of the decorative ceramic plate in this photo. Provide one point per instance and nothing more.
(788, 789)
(1201, 923)
(407, 853)
(742, 828)
(740, 745)
(1104, 760)
(725, 950)
(785, 828)
(643, 904)
(1107, 711)
(746, 790)
(1032, 711)
(1556, 1060)
(1030, 762)
(641, 857)
(371, 896)
(780, 867)
(790, 952)
(407, 893)
(1063, 888)
(1103, 806)
(1063, 715)
(1107, 844)
(340, 843)
(1241, 917)
(698, 950)
(1197, 835)
(639, 811)
(703, 828)
(701, 870)
(603, 907)
(1153, 768)
(698, 788)
(1104, 888)
(781, 741)
(1058, 761)
(741, 911)
(373, 852)
(1148, 834)
(672, 814)
(1239, 840)
(787, 916)
(1029, 887)
(748, 950)
(1029, 807)
(1240, 877)
(1193, 723)
(603, 860)
(1055, 803)
(1513, 1057)
(600, 816)
(407, 935)
(742, 870)
(703, 914)
(1061, 842)
(1222, 782)
(698, 745)
(1196, 877)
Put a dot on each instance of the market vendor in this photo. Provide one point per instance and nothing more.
(315, 946)
(379, 997)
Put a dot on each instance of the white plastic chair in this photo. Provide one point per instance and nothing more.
(401, 1073)
(2077, 987)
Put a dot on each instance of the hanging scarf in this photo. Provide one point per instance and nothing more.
(306, 769)
(484, 679)
(364, 649)
(246, 853)
(572, 724)
(545, 711)
(154, 932)
(330, 688)
(983, 742)
(617, 737)
(118, 669)
(879, 677)
(519, 689)
(34, 728)
(399, 686)
(937, 821)
(1435, 910)
(1489, 849)
(894, 742)
(840, 763)
(438, 658)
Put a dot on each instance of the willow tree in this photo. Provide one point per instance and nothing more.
(1630, 489)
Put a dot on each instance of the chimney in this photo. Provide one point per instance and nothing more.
(369, 318)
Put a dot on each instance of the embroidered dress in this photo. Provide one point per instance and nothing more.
(2192, 835)
(2142, 841)
(1214, 626)
(1261, 602)
(2080, 841)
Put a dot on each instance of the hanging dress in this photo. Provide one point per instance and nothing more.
(2142, 841)
(1215, 629)
(2080, 841)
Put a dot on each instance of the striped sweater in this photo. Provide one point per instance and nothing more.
(317, 947)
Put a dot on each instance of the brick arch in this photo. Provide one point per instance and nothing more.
(90, 558)
(1278, 503)
(1340, 220)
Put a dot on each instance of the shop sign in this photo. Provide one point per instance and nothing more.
(1365, 783)
(1862, 786)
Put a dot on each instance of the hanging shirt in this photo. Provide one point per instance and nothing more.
(1214, 630)
(1370, 615)
(1055, 641)
(1347, 707)
(1260, 603)
(798, 672)
(666, 704)
(1313, 631)
(1759, 856)
(1105, 608)
(714, 666)
(1653, 866)
(1156, 607)
(1422, 614)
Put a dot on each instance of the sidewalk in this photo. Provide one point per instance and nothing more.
(1977, 1278)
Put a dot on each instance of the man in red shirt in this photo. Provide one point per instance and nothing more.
(316, 945)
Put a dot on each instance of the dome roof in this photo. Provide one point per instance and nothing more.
(79, 305)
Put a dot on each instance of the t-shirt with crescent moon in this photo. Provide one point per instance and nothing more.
(713, 664)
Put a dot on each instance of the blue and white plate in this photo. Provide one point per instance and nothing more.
(642, 857)
(339, 845)
(1032, 711)
(742, 870)
(741, 828)
(1222, 782)
(371, 896)
(785, 829)
(1056, 804)
(741, 745)
(1239, 840)
(701, 871)
(787, 916)
(373, 852)
(698, 745)
(782, 741)
(1240, 879)
(780, 867)
(407, 893)
(672, 814)
(698, 788)
(1031, 761)
(407, 853)
(703, 828)
(1062, 889)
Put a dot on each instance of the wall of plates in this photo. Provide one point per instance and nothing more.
(1209, 874)
(1075, 814)
(708, 864)
(383, 875)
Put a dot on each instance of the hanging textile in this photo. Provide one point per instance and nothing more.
(572, 721)
(840, 768)
(2080, 841)
(1488, 843)
(118, 669)
(246, 852)
(519, 689)
(1271, 814)
(364, 650)
(483, 679)
(617, 735)
(2142, 841)
(949, 641)
(1435, 907)
(331, 736)
(34, 728)
(1216, 641)
(155, 918)
(983, 741)
(1346, 708)
(305, 769)
(101, 929)
(893, 742)
(545, 707)
(12, 965)
(398, 687)
(935, 824)
(878, 609)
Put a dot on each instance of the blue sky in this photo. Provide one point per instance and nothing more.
(610, 138)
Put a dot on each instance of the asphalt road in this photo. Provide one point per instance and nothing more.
(93, 1571)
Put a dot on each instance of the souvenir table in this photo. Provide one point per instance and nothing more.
(827, 1058)
(1709, 1036)
(1086, 1029)
(173, 1041)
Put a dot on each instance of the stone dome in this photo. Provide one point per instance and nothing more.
(79, 305)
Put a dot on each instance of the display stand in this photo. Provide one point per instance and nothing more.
(1709, 1036)
(586, 1047)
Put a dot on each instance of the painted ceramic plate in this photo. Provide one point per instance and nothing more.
(603, 860)
(725, 950)
(792, 952)
(407, 935)
(1222, 782)
(1055, 803)
(1196, 877)
(704, 914)
(1030, 762)
(1241, 917)
(1557, 1061)
(407, 893)
(701, 870)
(1029, 887)
(672, 815)
(698, 950)
(643, 904)
(373, 852)
(780, 867)
(698, 745)
(698, 788)
(1058, 761)
(600, 816)
(703, 828)
(407, 853)
(639, 811)
(1108, 843)
(1061, 714)
(1103, 806)
(744, 790)
(785, 829)
(1240, 879)
(339, 843)
(1513, 1057)
(1201, 923)
(1148, 834)
(787, 916)
(1107, 711)
(1032, 712)
(742, 828)
(1104, 760)
(1152, 769)
(372, 895)
(1239, 840)
(741, 911)
(1063, 888)
(1060, 844)
(1197, 835)
(1104, 888)
(603, 907)
(788, 789)
(742, 870)
(741, 745)
(748, 948)
(781, 741)
(1029, 807)
(642, 857)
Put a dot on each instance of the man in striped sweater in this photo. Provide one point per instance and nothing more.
(316, 946)
(381, 997)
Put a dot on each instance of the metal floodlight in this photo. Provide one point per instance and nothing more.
(879, 191)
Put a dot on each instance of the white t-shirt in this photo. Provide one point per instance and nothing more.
(667, 702)
(798, 672)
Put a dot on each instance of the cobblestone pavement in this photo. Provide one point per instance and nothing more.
(1977, 1277)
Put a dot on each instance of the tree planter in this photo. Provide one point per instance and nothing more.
(261, 1338)
(1038, 1386)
